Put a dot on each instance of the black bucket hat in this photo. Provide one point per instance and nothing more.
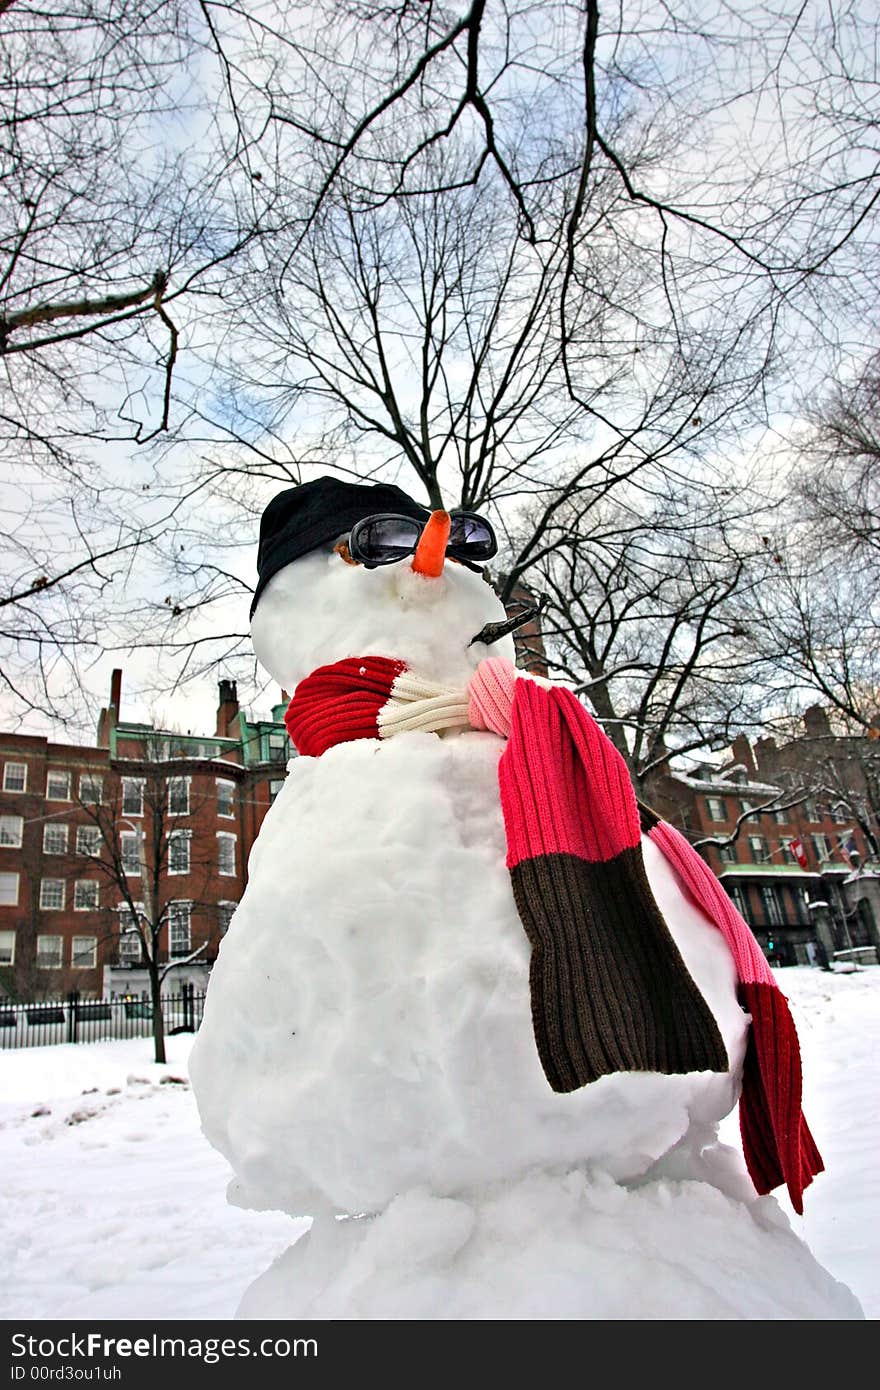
(300, 519)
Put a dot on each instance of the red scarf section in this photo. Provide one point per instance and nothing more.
(610, 991)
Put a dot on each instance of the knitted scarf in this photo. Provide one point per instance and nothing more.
(609, 989)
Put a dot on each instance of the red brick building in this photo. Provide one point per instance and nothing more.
(793, 848)
(87, 831)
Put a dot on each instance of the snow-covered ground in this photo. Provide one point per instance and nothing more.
(114, 1203)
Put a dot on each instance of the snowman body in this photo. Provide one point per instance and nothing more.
(368, 1027)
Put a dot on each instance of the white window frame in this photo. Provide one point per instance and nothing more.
(223, 782)
(10, 828)
(76, 960)
(822, 847)
(179, 909)
(131, 863)
(57, 772)
(711, 803)
(179, 837)
(128, 930)
(55, 964)
(90, 883)
(7, 883)
(7, 947)
(727, 854)
(91, 780)
(46, 906)
(60, 832)
(91, 853)
(764, 852)
(139, 783)
(275, 785)
(173, 784)
(7, 768)
(226, 836)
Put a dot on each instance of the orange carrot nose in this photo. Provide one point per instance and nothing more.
(431, 549)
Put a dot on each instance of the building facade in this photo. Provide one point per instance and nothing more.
(794, 849)
(148, 822)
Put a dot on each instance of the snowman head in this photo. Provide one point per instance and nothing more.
(361, 569)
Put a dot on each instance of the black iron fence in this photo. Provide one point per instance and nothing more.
(73, 1019)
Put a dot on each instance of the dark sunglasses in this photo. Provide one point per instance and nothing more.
(382, 539)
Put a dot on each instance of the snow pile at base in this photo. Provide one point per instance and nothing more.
(574, 1246)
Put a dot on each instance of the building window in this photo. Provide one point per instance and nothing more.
(839, 814)
(91, 789)
(179, 929)
(49, 952)
(225, 853)
(130, 948)
(747, 809)
(8, 890)
(772, 906)
(810, 809)
(224, 916)
(88, 840)
(11, 830)
(225, 798)
(85, 895)
(822, 846)
(15, 777)
(788, 854)
(759, 849)
(52, 894)
(727, 854)
(178, 796)
(178, 852)
(7, 947)
(738, 898)
(716, 807)
(54, 839)
(57, 785)
(278, 748)
(84, 955)
(132, 796)
(130, 852)
(780, 817)
(274, 788)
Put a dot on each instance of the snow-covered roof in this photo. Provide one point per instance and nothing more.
(700, 784)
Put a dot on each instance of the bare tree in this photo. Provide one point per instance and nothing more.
(137, 857)
(499, 252)
(641, 616)
(837, 481)
(114, 226)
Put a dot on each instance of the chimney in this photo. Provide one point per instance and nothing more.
(742, 753)
(109, 717)
(227, 710)
(816, 722)
(766, 752)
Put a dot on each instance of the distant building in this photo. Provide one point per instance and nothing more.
(62, 921)
(806, 876)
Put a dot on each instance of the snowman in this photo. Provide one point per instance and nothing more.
(466, 961)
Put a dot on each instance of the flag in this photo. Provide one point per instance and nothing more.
(798, 851)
